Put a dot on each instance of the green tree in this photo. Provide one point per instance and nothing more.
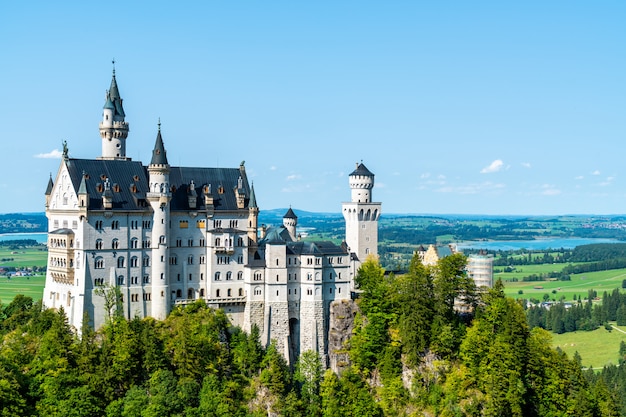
(308, 374)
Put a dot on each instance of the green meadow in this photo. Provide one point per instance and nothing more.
(596, 348)
(28, 286)
(579, 285)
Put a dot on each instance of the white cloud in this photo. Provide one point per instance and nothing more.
(526, 164)
(273, 168)
(487, 186)
(596, 172)
(425, 175)
(293, 177)
(549, 189)
(495, 166)
(580, 177)
(55, 154)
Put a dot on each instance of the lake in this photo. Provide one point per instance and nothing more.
(537, 244)
(39, 237)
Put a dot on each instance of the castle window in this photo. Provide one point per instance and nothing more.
(133, 262)
(179, 243)
(190, 260)
(162, 240)
(115, 224)
(202, 259)
(178, 277)
(145, 261)
(202, 242)
(99, 244)
(183, 224)
(146, 224)
(339, 290)
(228, 292)
(200, 224)
(190, 242)
(239, 275)
(115, 244)
(134, 224)
(98, 224)
(190, 277)
(257, 291)
(179, 293)
(257, 276)
(276, 261)
(239, 241)
(120, 280)
(146, 279)
(217, 276)
(201, 276)
(217, 241)
(133, 243)
(99, 263)
(229, 276)
(309, 277)
(241, 292)
(217, 293)
(120, 262)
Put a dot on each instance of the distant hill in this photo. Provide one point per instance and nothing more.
(23, 222)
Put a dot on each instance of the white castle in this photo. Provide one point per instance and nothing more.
(165, 235)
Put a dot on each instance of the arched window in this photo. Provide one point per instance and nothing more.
(133, 262)
(229, 276)
(228, 292)
(240, 275)
(115, 244)
(217, 276)
(99, 244)
(133, 243)
(190, 294)
(120, 262)
(179, 293)
(202, 292)
(99, 263)
(241, 292)
(217, 293)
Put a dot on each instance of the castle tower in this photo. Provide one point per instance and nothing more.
(290, 221)
(159, 198)
(113, 128)
(361, 214)
(253, 217)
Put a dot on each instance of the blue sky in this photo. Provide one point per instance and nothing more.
(457, 107)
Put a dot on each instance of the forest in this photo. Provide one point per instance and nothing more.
(412, 352)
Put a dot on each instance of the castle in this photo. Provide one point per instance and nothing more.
(162, 236)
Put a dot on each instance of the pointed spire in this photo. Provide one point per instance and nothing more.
(290, 214)
(252, 202)
(50, 186)
(82, 189)
(158, 154)
(114, 96)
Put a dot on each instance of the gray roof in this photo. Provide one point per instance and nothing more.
(362, 170)
(318, 248)
(129, 182)
(159, 156)
(290, 214)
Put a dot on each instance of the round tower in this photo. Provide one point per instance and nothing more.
(290, 222)
(361, 214)
(159, 198)
(113, 127)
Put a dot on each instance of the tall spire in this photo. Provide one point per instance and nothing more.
(113, 128)
(252, 202)
(158, 153)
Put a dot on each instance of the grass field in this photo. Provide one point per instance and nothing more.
(27, 257)
(579, 285)
(597, 348)
(29, 286)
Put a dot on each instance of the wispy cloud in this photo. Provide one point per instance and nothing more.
(549, 189)
(55, 154)
(273, 168)
(476, 188)
(596, 172)
(293, 177)
(526, 164)
(606, 182)
(495, 166)
(580, 177)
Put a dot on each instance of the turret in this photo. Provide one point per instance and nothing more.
(290, 221)
(253, 216)
(159, 197)
(361, 214)
(113, 127)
